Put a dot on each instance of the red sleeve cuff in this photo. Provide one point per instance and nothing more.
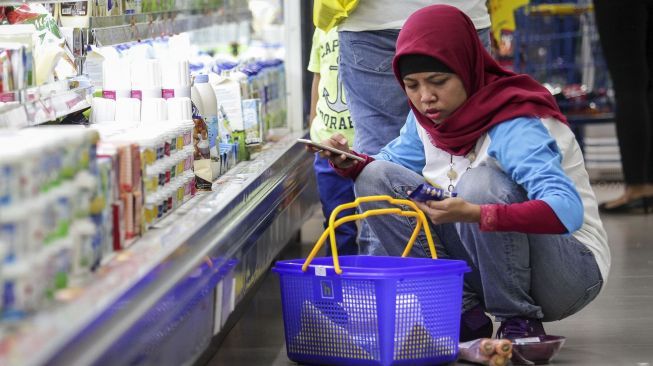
(354, 170)
(489, 217)
(530, 217)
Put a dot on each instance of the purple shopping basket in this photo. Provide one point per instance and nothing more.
(378, 311)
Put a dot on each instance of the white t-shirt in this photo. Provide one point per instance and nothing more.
(391, 14)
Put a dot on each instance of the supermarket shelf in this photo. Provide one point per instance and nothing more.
(45, 103)
(20, 2)
(113, 30)
(251, 214)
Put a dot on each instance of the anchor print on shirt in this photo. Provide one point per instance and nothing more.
(339, 104)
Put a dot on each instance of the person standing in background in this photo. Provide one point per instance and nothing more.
(329, 115)
(376, 102)
(626, 33)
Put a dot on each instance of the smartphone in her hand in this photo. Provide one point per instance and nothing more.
(320, 146)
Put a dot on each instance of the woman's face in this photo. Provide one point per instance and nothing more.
(435, 94)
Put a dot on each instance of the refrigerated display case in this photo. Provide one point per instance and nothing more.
(175, 291)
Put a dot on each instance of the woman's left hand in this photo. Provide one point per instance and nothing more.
(450, 210)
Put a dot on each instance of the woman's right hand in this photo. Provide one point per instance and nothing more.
(339, 142)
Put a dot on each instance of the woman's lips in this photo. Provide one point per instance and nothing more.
(433, 114)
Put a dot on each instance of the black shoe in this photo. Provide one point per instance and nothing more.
(474, 324)
(642, 205)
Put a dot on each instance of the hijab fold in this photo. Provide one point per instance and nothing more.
(495, 95)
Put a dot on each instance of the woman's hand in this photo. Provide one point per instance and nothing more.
(339, 142)
(450, 210)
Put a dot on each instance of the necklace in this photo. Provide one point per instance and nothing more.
(452, 174)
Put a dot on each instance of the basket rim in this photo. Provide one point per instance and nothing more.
(375, 266)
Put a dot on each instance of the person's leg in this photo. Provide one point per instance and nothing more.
(368, 243)
(545, 277)
(335, 190)
(484, 35)
(627, 48)
(377, 104)
(385, 178)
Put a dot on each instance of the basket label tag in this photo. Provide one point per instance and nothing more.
(320, 271)
(327, 289)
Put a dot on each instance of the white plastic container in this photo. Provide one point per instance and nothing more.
(209, 112)
(116, 79)
(151, 209)
(175, 79)
(179, 109)
(196, 97)
(20, 278)
(154, 110)
(10, 175)
(146, 79)
(188, 126)
(14, 229)
(128, 110)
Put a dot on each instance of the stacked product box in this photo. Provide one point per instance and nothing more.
(48, 195)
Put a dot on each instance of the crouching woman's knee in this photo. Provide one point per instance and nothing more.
(486, 184)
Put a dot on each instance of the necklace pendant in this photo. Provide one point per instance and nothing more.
(452, 174)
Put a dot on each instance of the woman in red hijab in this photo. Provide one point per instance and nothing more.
(525, 217)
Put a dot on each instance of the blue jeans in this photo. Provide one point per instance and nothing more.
(377, 103)
(548, 277)
(335, 190)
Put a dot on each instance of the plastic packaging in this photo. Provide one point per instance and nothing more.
(175, 79)
(10, 182)
(146, 79)
(536, 350)
(485, 351)
(426, 192)
(14, 230)
(208, 106)
(114, 80)
(20, 291)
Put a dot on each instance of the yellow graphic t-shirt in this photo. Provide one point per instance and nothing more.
(332, 114)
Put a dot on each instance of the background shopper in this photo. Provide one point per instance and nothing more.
(329, 115)
(626, 33)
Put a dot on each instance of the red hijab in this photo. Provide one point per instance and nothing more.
(495, 95)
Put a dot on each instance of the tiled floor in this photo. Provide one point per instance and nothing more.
(616, 329)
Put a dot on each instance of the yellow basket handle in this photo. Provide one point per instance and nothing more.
(333, 224)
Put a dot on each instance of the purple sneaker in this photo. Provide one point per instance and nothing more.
(515, 328)
(474, 324)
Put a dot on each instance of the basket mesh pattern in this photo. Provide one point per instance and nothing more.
(426, 322)
(346, 329)
(410, 319)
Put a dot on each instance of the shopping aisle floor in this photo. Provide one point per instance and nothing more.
(616, 329)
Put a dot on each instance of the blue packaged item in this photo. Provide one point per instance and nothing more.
(426, 192)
